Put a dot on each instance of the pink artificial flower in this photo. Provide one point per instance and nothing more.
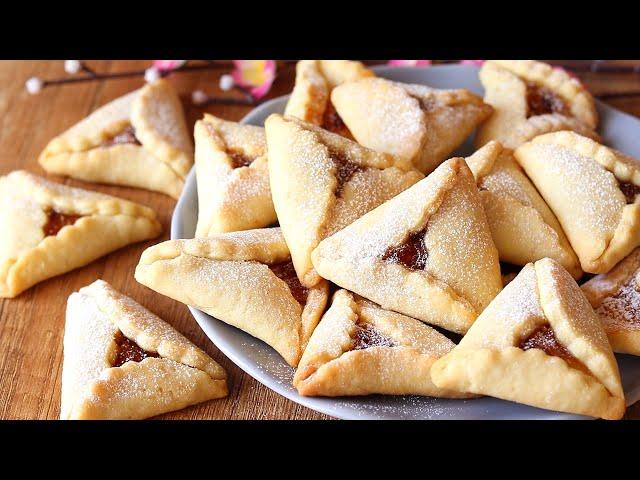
(168, 65)
(255, 75)
(477, 63)
(410, 63)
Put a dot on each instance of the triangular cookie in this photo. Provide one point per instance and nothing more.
(615, 296)
(49, 229)
(523, 227)
(360, 349)
(123, 362)
(310, 99)
(321, 182)
(415, 122)
(232, 176)
(245, 279)
(539, 343)
(427, 253)
(138, 140)
(593, 191)
(531, 98)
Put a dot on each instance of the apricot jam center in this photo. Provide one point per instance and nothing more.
(129, 351)
(367, 336)
(411, 254)
(545, 339)
(56, 221)
(286, 272)
(541, 100)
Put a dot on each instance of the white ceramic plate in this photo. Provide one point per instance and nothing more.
(265, 365)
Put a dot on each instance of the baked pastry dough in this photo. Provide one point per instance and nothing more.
(310, 99)
(615, 296)
(531, 98)
(321, 182)
(360, 349)
(49, 229)
(123, 362)
(232, 176)
(245, 279)
(138, 140)
(427, 253)
(523, 227)
(539, 343)
(415, 122)
(592, 190)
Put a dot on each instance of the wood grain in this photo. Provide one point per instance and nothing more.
(31, 325)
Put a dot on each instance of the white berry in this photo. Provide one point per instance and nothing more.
(198, 97)
(226, 82)
(72, 66)
(33, 85)
(151, 75)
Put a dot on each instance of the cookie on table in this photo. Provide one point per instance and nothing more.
(138, 140)
(49, 229)
(123, 362)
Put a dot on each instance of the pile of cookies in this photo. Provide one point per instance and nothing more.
(343, 235)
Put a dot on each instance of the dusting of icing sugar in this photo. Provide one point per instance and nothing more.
(312, 213)
(622, 309)
(164, 383)
(461, 250)
(508, 180)
(239, 192)
(22, 218)
(247, 238)
(422, 90)
(362, 246)
(398, 117)
(408, 407)
(41, 185)
(247, 281)
(399, 216)
(366, 336)
(332, 336)
(578, 315)
(366, 190)
(240, 244)
(165, 116)
(88, 341)
(133, 319)
(146, 330)
(514, 312)
(427, 340)
(279, 370)
(314, 165)
(592, 191)
(249, 139)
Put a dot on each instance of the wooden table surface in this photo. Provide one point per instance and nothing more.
(32, 325)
